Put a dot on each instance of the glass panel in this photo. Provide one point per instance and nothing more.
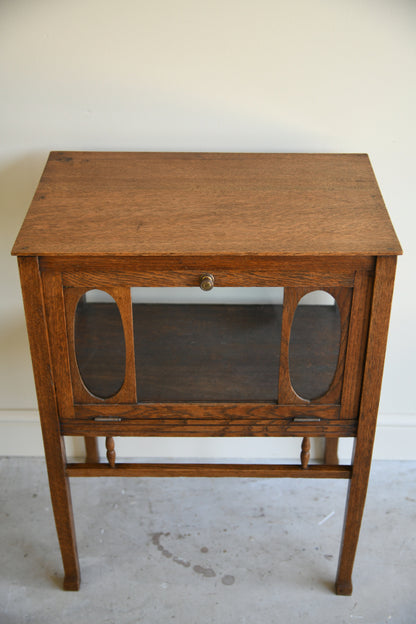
(208, 346)
(314, 344)
(99, 344)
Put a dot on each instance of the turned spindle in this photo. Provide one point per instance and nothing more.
(305, 454)
(111, 454)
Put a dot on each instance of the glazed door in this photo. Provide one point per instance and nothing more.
(280, 345)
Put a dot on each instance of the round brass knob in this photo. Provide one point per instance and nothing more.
(206, 281)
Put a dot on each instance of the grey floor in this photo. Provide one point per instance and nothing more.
(195, 551)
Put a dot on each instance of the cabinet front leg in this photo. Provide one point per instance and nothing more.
(53, 441)
(62, 509)
(353, 515)
(373, 372)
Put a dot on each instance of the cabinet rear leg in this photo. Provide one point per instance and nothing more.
(331, 452)
(91, 449)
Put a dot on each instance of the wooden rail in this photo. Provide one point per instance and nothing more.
(260, 471)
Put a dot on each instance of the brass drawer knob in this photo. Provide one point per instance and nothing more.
(206, 281)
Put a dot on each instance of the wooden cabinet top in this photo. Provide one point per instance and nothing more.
(190, 204)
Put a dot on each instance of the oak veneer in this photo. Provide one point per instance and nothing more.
(113, 221)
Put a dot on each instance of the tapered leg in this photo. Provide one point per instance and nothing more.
(357, 492)
(331, 451)
(62, 509)
(91, 448)
(52, 439)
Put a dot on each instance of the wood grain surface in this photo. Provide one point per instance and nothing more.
(258, 471)
(161, 204)
(53, 441)
(373, 373)
(214, 427)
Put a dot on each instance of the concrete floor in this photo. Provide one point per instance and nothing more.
(196, 551)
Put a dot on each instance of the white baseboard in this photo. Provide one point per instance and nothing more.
(20, 435)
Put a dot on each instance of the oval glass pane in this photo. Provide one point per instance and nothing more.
(314, 344)
(100, 347)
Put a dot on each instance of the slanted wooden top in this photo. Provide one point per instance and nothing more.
(179, 204)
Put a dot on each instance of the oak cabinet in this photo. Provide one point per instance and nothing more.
(184, 294)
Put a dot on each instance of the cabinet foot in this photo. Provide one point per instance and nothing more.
(343, 588)
(72, 583)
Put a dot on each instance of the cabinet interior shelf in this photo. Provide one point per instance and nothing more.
(206, 352)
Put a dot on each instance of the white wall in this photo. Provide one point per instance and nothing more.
(225, 75)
